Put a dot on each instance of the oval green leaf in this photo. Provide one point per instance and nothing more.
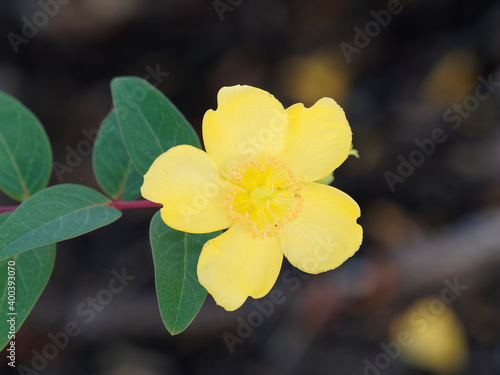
(32, 270)
(55, 214)
(149, 123)
(113, 168)
(25, 153)
(175, 256)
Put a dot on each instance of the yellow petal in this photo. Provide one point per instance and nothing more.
(234, 266)
(318, 140)
(325, 234)
(186, 181)
(249, 123)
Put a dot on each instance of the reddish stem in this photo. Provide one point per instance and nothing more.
(134, 205)
(7, 209)
(118, 205)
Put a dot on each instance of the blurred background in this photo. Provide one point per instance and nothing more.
(420, 84)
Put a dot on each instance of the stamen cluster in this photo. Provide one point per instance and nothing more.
(263, 196)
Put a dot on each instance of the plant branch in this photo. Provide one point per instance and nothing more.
(133, 205)
(4, 209)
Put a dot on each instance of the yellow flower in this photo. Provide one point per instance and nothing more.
(257, 179)
(435, 337)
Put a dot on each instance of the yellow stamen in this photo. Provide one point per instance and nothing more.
(260, 197)
(263, 198)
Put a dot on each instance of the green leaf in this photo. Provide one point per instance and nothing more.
(25, 154)
(32, 272)
(55, 214)
(112, 165)
(149, 123)
(175, 256)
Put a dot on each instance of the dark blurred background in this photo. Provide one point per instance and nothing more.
(419, 81)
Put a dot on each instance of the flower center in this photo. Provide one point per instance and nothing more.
(260, 197)
(264, 197)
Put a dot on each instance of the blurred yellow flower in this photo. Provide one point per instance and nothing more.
(436, 337)
(322, 73)
(257, 179)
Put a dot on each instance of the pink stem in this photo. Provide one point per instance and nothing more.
(118, 205)
(7, 209)
(134, 205)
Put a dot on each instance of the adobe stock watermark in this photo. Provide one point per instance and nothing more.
(84, 148)
(363, 37)
(30, 28)
(454, 116)
(420, 320)
(223, 6)
(263, 309)
(87, 311)
(266, 306)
